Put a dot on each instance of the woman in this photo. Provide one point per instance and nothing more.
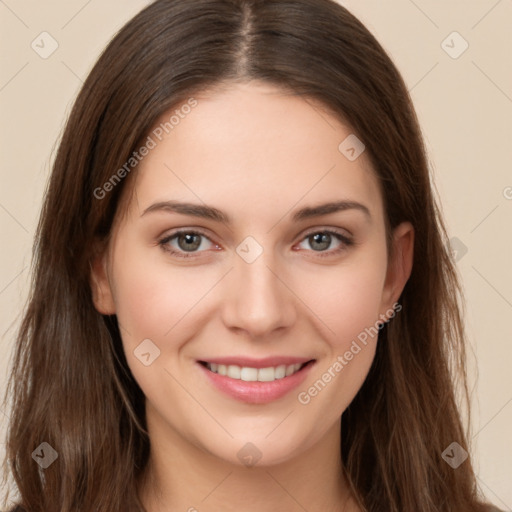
(183, 351)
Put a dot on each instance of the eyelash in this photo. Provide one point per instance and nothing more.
(346, 242)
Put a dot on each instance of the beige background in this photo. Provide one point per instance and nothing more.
(464, 105)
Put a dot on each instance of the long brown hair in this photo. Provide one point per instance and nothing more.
(70, 385)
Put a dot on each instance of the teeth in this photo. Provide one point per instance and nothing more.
(290, 369)
(280, 371)
(233, 371)
(266, 374)
(249, 374)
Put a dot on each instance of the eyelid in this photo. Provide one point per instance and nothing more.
(327, 229)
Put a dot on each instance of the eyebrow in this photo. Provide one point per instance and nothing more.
(212, 213)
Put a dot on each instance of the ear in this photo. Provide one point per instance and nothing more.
(399, 265)
(102, 296)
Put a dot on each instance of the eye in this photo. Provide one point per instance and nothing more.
(186, 243)
(182, 242)
(319, 241)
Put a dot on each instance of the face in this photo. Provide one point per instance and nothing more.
(225, 261)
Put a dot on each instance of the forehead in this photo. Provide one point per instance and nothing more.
(253, 147)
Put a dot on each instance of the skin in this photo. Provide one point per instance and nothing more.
(257, 153)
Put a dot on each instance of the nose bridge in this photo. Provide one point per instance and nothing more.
(257, 300)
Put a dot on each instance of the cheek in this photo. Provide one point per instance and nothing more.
(160, 302)
(152, 296)
(351, 311)
(348, 299)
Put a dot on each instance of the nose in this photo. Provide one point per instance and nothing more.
(258, 301)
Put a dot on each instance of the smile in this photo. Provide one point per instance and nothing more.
(256, 382)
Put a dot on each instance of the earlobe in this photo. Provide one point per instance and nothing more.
(100, 286)
(400, 264)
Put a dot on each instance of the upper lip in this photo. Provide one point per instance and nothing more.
(250, 362)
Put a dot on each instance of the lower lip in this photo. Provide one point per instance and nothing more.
(257, 392)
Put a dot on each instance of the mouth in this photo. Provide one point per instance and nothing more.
(256, 381)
